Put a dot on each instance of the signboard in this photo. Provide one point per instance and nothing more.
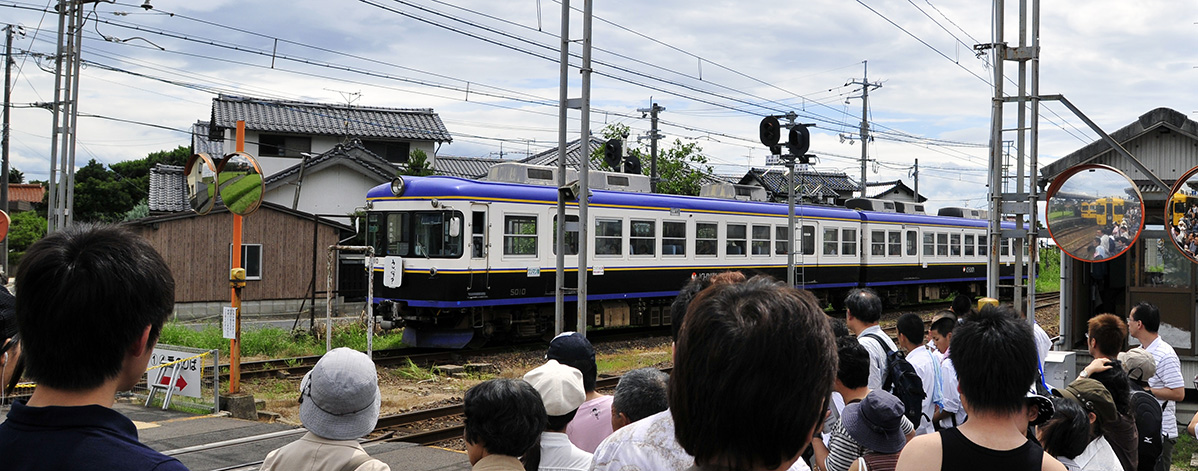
(187, 382)
(392, 272)
(229, 322)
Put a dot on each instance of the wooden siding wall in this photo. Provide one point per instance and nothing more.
(197, 251)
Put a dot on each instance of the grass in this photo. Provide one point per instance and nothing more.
(273, 342)
(631, 360)
(412, 371)
(1184, 449)
(1049, 278)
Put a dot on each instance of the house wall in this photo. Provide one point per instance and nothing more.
(320, 145)
(197, 250)
(333, 190)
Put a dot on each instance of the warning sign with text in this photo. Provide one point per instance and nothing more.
(186, 379)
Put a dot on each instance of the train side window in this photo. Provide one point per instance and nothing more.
(877, 245)
(983, 247)
(1005, 247)
(642, 237)
(735, 237)
(969, 245)
(673, 238)
(519, 235)
(571, 235)
(941, 244)
(808, 240)
(929, 244)
(609, 237)
(894, 242)
(706, 241)
(954, 245)
(831, 240)
(848, 242)
(478, 230)
(781, 240)
(761, 240)
(912, 243)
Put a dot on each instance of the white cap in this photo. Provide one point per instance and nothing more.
(560, 387)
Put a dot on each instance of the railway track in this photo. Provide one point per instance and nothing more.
(1043, 300)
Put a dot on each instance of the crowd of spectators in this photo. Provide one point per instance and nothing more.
(1185, 231)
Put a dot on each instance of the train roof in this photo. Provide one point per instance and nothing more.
(447, 188)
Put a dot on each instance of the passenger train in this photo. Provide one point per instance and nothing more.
(463, 261)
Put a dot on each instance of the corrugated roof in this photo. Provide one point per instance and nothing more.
(27, 192)
(300, 117)
(168, 189)
(1160, 117)
(353, 152)
(465, 167)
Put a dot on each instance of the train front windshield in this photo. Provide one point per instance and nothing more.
(425, 234)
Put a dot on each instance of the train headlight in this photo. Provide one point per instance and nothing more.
(398, 186)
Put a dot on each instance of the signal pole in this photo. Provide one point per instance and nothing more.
(653, 137)
(9, 31)
(865, 86)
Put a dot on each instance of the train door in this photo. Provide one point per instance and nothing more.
(480, 249)
(806, 259)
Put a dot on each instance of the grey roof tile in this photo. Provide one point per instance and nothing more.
(168, 189)
(465, 167)
(352, 152)
(299, 117)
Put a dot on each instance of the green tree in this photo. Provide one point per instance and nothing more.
(681, 168)
(108, 194)
(26, 228)
(15, 176)
(418, 165)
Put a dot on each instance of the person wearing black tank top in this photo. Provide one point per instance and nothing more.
(996, 361)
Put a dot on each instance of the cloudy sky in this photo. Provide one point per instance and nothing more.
(490, 70)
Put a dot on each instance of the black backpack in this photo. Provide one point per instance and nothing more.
(1148, 424)
(903, 382)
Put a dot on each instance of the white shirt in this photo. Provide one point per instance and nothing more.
(877, 355)
(1168, 375)
(926, 362)
(952, 398)
(645, 445)
(558, 454)
(1098, 456)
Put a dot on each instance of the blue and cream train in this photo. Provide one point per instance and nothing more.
(463, 260)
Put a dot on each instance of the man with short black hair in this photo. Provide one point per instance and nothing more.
(863, 309)
(994, 394)
(1167, 384)
(592, 423)
(640, 393)
(503, 419)
(93, 301)
(926, 361)
(1105, 336)
(949, 413)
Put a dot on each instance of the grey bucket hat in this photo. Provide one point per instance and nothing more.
(340, 398)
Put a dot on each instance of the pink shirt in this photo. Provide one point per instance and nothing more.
(591, 425)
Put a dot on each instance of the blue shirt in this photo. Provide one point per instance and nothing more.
(75, 438)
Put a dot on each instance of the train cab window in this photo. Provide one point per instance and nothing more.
(781, 240)
(848, 242)
(761, 240)
(983, 247)
(519, 235)
(912, 242)
(428, 234)
(571, 235)
(706, 239)
(954, 245)
(877, 243)
(609, 237)
(941, 244)
(642, 237)
(735, 238)
(808, 240)
(894, 243)
(831, 241)
(969, 245)
(673, 238)
(929, 244)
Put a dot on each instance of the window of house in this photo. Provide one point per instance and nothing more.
(278, 145)
(954, 247)
(394, 152)
(706, 242)
(877, 243)
(609, 237)
(808, 240)
(781, 239)
(642, 237)
(251, 260)
(848, 242)
(571, 235)
(894, 243)
(519, 235)
(735, 237)
(761, 240)
(941, 244)
(969, 241)
(831, 241)
(673, 238)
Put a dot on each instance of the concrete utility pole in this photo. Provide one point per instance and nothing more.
(65, 107)
(865, 86)
(916, 177)
(559, 303)
(9, 31)
(653, 137)
(584, 166)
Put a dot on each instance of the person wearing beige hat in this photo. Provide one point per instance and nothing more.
(561, 390)
(1141, 365)
(339, 403)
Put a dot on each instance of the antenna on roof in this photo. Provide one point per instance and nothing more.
(350, 98)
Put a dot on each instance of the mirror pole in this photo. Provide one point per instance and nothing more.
(235, 342)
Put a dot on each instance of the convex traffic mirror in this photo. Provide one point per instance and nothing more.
(1094, 212)
(201, 183)
(1181, 214)
(240, 180)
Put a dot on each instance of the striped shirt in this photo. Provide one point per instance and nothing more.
(1168, 375)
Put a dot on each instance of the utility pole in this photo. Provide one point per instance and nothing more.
(584, 167)
(9, 31)
(653, 137)
(865, 86)
(916, 176)
(66, 113)
(559, 304)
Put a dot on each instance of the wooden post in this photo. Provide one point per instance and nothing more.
(235, 342)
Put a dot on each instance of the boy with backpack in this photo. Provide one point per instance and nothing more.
(925, 361)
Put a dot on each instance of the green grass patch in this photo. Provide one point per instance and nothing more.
(630, 360)
(1049, 278)
(1183, 451)
(274, 342)
(412, 371)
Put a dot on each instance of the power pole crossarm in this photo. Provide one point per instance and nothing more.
(653, 137)
(865, 87)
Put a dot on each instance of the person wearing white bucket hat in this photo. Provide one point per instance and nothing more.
(339, 403)
(561, 390)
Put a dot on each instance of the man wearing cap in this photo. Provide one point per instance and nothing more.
(1097, 402)
(561, 390)
(876, 424)
(1140, 366)
(339, 403)
(592, 423)
(1167, 385)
